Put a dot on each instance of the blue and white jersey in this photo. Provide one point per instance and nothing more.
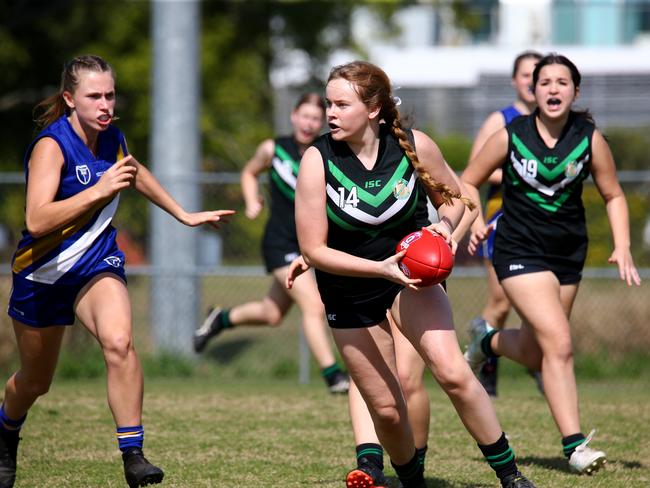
(76, 250)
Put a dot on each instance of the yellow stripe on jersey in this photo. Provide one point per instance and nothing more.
(40, 247)
(493, 205)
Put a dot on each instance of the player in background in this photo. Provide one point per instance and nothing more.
(541, 243)
(68, 264)
(355, 199)
(281, 157)
(496, 309)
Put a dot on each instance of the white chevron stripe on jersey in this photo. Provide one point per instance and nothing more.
(283, 168)
(365, 217)
(64, 261)
(540, 187)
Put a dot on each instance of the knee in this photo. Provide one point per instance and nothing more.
(274, 316)
(561, 352)
(411, 384)
(35, 387)
(388, 417)
(453, 380)
(117, 347)
(501, 308)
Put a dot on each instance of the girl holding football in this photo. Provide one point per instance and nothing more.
(350, 217)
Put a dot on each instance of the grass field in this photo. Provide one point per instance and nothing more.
(208, 433)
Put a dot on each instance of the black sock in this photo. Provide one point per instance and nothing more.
(330, 373)
(570, 442)
(410, 474)
(422, 454)
(370, 453)
(485, 344)
(224, 319)
(500, 457)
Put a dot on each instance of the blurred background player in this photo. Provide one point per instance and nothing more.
(281, 157)
(497, 307)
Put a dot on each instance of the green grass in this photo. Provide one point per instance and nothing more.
(206, 432)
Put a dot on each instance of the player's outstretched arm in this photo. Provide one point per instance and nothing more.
(147, 184)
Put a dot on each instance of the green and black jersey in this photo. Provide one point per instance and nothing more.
(543, 218)
(368, 211)
(280, 242)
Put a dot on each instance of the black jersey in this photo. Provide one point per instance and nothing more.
(282, 186)
(543, 217)
(368, 211)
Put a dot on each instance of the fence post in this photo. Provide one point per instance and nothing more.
(175, 156)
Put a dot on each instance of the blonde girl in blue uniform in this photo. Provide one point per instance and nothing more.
(355, 199)
(67, 264)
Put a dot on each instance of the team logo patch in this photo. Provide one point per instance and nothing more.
(401, 189)
(83, 174)
(114, 261)
(571, 169)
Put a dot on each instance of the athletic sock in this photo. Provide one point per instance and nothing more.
(331, 373)
(372, 453)
(10, 425)
(500, 457)
(485, 344)
(128, 437)
(570, 442)
(410, 474)
(224, 319)
(422, 454)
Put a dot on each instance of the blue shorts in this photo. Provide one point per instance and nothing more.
(486, 249)
(43, 305)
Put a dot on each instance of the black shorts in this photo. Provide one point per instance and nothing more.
(277, 257)
(564, 274)
(278, 250)
(346, 313)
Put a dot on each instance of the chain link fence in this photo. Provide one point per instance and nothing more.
(608, 316)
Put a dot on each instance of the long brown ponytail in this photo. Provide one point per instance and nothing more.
(373, 86)
(54, 106)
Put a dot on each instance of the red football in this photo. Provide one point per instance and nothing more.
(428, 257)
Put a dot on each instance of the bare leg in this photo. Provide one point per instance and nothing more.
(104, 309)
(305, 294)
(424, 317)
(410, 368)
(497, 305)
(39, 351)
(545, 306)
(370, 357)
(268, 311)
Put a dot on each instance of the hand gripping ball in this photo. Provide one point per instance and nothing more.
(428, 257)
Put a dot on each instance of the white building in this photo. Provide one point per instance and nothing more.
(451, 77)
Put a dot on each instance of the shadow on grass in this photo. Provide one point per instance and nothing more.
(556, 463)
(433, 482)
(560, 464)
(225, 351)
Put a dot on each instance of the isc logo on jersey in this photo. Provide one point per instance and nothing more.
(83, 173)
